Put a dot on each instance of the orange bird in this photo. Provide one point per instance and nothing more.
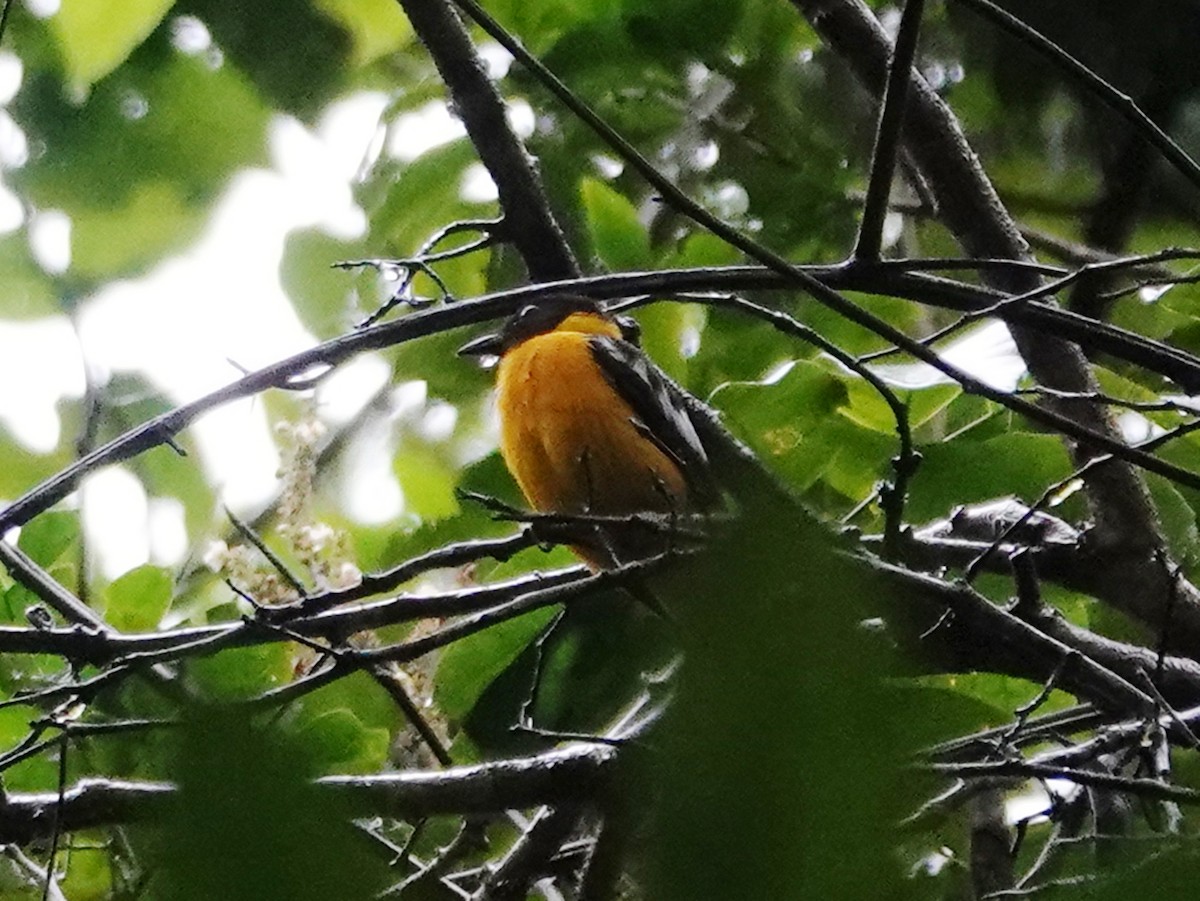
(589, 425)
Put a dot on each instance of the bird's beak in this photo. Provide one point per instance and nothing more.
(483, 346)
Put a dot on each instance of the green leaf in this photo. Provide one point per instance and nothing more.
(447, 376)
(150, 123)
(23, 469)
(735, 349)
(164, 473)
(730, 767)
(868, 408)
(47, 537)
(14, 725)
(794, 401)
(964, 471)
(358, 692)
(541, 22)
(858, 457)
(27, 293)
(1178, 519)
(928, 404)
(681, 27)
(377, 27)
(251, 824)
(487, 476)
(663, 328)
(619, 237)
(322, 296)
(412, 200)
(998, 697)
(337, 741)
(243, 672)
(90, 874)
(95, 38)
(469, 666)
(293, 54)
(124, 239)
(38, 773)
(703, 249)
(792, 422)
(952, 708)
(427, 480)
(136, 601)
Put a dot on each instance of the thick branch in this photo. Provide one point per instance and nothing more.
(95, 647)
(1178, 678)
(528, 222)
(1145, 788)
(887, 135)
(887, 279)
(37, 580)
(962, 631)
(26, 817)
(563, 775)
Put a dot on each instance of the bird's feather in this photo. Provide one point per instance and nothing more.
(660, 413)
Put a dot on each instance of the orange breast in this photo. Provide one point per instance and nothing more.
(569, 440)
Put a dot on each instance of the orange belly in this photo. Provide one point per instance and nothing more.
(569, 439)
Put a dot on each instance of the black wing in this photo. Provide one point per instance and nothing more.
(661, 415)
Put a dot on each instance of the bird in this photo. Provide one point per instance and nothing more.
(589, 426)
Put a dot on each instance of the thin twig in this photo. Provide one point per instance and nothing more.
(1086, 271)
(280, 567)
(1120, 103)
(880, 278)
(905, 463)
(887, 138)
(1146, 788)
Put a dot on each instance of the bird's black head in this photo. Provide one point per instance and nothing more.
(544, 316)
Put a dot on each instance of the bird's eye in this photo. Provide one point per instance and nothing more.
(631, 329)
(526, 311)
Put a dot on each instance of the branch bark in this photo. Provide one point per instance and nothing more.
(528, 222)
(566, 775)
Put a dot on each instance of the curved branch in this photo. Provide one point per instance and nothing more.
(963, 631)
(109, 647)
(893, 279)
(1142, 787)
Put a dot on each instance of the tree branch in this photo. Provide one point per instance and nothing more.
(891, 279)
(887, 138)
(528, 222)
(559, 776)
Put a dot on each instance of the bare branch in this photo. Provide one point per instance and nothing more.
(882, 278)
(1144, 788)
(558, 776)
(887, 138)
